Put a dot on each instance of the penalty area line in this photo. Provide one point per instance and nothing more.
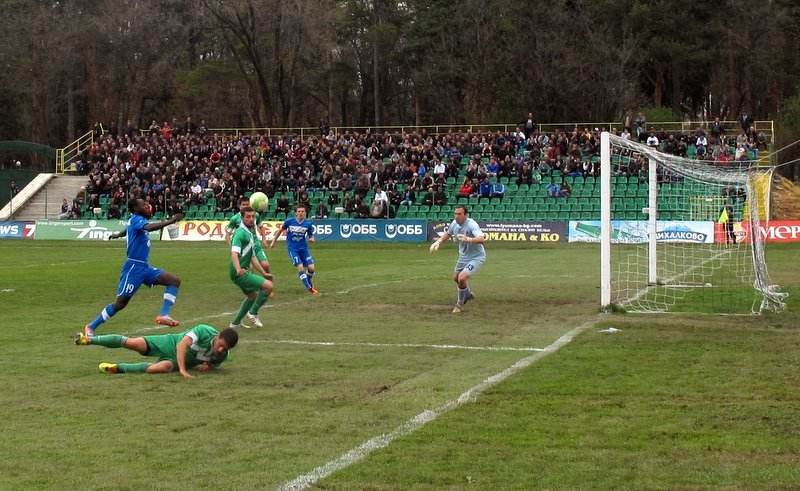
(393, 345)
(363, 450)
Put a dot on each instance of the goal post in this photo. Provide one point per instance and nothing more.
(682, 234)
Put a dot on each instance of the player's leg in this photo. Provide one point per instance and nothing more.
(297, 262)
(130, 279)
(262, 258)
(172, 283)
(106, 314)
(163, 366)
(250, 287)
(261, 299)
(308, 263)
(462, 274)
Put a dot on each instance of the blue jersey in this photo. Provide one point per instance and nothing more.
(138, 239)
(296, 233)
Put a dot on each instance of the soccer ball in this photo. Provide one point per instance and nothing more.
(259, 201)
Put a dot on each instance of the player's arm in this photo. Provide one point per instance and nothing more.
(255, 264)
(262, 230)
(472, 240)
(151, 227)
(310, 235)
(438, 242)
(180, 355)
(277, 234)
(235, 261)
(228, 234)
(118, 235)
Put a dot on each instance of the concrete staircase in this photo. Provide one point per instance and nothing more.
(46, 204)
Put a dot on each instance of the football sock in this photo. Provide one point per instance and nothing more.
(105, 314)
(133, 367)
(463, 293)
(310, 275)
(169, 299)
(242, 310)
(261, 299)
(304, 279)
(109, 340)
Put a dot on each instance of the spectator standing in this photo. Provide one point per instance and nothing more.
(14, 188)
(717, 130)
(529, 125)
(746, 121)
(641, 123)
(627, 122)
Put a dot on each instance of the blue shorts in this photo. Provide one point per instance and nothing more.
(301, 256)
(133, 275)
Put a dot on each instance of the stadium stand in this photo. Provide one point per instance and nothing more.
(206, 173)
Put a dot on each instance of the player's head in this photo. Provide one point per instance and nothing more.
(248, 216)
(300, 212)
(243, 203)
(461, 214)
(225, 340)
(137, 206)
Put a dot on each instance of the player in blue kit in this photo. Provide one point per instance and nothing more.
(471, 253)
(297, 229)
(136, 270)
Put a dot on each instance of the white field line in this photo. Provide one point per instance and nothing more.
(363, 450)
(393, 345)
(271, 305)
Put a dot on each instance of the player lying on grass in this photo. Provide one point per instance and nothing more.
(200, 347)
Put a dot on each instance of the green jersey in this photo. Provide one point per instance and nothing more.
(165, 346)
(242, 243)
(236, 221)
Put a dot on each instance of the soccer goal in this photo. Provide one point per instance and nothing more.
(685, 238)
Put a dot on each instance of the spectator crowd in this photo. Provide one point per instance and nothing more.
(170, 165)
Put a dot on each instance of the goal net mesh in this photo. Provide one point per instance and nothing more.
(709, 252)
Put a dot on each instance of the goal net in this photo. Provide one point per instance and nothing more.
(682, 235)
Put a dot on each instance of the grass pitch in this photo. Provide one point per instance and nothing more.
(669, 401)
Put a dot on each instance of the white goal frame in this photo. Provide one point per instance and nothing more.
(771, 296)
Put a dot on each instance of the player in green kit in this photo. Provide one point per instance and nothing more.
(202, 347)
(256, 287)
(260, 243)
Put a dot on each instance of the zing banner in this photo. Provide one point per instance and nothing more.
(81, 229)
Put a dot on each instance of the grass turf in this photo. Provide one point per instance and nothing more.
(670, 401)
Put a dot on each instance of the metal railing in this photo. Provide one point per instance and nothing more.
(65, 156)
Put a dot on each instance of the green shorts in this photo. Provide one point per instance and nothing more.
(249, 282)
(259, 251)
(163, 347)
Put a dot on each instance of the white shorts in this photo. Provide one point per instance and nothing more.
(469, 267)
